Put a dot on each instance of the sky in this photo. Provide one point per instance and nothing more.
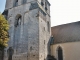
(62, 11)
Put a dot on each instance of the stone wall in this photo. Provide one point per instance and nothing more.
(27, 45)
(29, 40)
(44, 36)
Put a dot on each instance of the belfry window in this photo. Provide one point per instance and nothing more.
(42, 2)
(18, 21)
(16, 3)
(48, 26)
(24, 1)
(42, 14)
(45, 5)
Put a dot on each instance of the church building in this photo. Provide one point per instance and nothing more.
(31, 35)
(29, 29)
(65, 41)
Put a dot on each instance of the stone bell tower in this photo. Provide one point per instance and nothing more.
(29, 28)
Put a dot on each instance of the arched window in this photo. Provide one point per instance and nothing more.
(60, 53)
(18, 20)
(42, 2)
(17, 32)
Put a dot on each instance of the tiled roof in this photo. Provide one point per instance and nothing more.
(66, 33)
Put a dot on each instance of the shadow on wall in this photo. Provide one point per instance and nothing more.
(1, 54)
(48, 46)
(51, 57)
(50, 42)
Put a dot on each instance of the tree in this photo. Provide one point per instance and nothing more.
(4, 36)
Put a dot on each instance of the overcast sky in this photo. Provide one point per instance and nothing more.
(62, 11)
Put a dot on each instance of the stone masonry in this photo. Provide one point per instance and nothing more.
(29, 29)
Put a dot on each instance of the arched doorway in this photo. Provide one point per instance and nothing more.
(60, 53)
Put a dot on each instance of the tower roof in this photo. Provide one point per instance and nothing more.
(66, 33)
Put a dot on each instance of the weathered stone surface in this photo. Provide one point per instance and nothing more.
(29, 38)
(33, 6)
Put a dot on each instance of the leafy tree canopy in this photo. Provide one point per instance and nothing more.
(4, 36)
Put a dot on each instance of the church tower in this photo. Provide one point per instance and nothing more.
(29, 28)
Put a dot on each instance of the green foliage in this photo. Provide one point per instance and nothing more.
(4, 37)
